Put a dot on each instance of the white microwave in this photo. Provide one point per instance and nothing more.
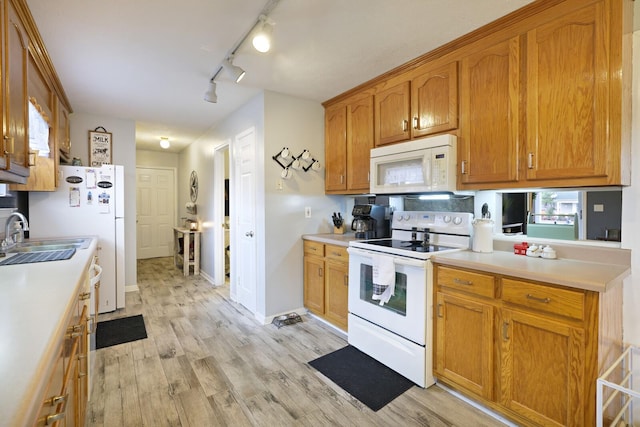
(418, 166)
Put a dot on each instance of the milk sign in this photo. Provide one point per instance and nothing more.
(99, 148)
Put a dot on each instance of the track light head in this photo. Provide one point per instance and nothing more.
(210, 94)
(234, 71)
(262, 38)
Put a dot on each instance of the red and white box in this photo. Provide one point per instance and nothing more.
(520, 248)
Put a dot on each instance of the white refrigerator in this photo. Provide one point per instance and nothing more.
(89, 201)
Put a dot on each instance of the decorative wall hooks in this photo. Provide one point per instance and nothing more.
(304, 161)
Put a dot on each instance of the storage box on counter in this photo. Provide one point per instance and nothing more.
(520, 248)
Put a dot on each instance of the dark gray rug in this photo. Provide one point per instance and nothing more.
(363, 377)
(120, 331)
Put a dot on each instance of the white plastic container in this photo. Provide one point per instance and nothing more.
(482, 235)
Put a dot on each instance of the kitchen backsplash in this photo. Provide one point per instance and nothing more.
(456, 204)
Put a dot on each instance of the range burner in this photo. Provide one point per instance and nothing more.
(407, 245)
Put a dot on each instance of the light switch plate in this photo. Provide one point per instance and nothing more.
(598, 207)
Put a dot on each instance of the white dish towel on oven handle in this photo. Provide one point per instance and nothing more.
(384, 278)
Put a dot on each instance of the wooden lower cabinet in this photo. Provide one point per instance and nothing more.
(65, 400)
(326, 279)
(531, 350)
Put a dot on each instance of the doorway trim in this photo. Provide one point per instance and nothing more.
(218, 210)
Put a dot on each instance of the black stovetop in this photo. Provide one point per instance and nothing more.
(409, 245)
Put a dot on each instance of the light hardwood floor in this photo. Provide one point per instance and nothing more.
(207, 362)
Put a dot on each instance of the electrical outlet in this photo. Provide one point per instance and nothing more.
(307, 212)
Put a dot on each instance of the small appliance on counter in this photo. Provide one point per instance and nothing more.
(483, 232)
(369, 222)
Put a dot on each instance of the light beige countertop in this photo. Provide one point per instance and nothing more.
(34, 301)
(573, 273)
(331, 238)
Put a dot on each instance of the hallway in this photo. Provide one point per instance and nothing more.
(207, 362)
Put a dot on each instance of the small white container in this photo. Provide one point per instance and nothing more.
(548, 252)
(482, 235)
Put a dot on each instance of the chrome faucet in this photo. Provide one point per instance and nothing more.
(10, 231)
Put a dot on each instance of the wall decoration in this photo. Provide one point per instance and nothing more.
(99, 147)
(193, 186)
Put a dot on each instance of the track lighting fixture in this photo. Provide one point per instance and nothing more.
(164, 142)
(262, 38)
(261, 31)
(210, 94)
(234, 71)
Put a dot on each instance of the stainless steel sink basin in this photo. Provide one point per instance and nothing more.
(42, 245)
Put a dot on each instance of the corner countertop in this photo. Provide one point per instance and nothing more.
(579, 274)
(34, 302)
(331, 238)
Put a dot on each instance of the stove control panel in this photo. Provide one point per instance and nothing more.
(444, 222)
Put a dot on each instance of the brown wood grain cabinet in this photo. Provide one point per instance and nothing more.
(326, 280)
(424, 104)
(527, 349)
(15, 141)
(348, 141)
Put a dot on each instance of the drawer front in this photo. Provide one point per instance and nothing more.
(336, 252)
(564, 302)
(467, 281)
(315, 248)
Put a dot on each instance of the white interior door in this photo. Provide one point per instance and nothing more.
(220, 231)
(244, 212)
(156, 203)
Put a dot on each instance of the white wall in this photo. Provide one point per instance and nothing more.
(279, 120)
(123, 153)
(164, 159)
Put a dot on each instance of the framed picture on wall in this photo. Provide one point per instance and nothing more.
(99, 148)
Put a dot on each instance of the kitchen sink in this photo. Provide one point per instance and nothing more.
(38, 256)
(43, 245)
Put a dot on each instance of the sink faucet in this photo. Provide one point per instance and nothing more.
(10, 231)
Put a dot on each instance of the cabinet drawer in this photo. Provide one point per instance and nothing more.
(564, 302)
(336, 252)
(315, 248)
(467, 281)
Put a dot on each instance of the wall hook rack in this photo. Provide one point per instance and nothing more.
(283, 154)
(296, 162)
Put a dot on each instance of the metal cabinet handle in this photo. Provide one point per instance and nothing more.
(416, 123)
(54, 400)
(320, 271)
(84, 296)
(439, 310)
(463, 167)
(341, 179)
(405, 125)
(8, 145)
(50, 419)
(530, 161)
(538, 299)
(462, 282)
(505, 331)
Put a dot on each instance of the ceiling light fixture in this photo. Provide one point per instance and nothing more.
(234, 71)
(262, 39)
(210, 94)
(164, 142)
(262, 30)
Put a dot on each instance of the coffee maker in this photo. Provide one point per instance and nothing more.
(369, 222)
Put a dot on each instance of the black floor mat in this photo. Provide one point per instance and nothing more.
(120, 331)
(363, 377)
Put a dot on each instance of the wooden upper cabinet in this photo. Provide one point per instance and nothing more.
(490, 114)
(568, 97)
(392, 114)
(335, 146)
(16, 114)
(434, 100)
(348, 142)
(359, 142)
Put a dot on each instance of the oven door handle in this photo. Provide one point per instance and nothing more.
(396, 259)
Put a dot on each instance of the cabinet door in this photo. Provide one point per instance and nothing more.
(335, 145)
(392, 114)
(542, 369)
(336, 293)
(464, 343)
(489, 111)
(314, 284)
(434, 101)
(568, 96)
(15, 138)
(359, 142)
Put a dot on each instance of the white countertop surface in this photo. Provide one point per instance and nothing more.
(331, 238)
(34, 299)
(587, 275)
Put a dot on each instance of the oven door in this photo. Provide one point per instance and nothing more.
(406, 312)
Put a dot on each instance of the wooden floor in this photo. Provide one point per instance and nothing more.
(207, 362)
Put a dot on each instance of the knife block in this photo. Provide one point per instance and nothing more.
(338, 230)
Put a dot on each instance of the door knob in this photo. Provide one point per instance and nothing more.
(249, 234)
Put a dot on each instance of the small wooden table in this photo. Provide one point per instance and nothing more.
(188, 257)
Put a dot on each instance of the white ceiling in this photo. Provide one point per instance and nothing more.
(150, 60)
